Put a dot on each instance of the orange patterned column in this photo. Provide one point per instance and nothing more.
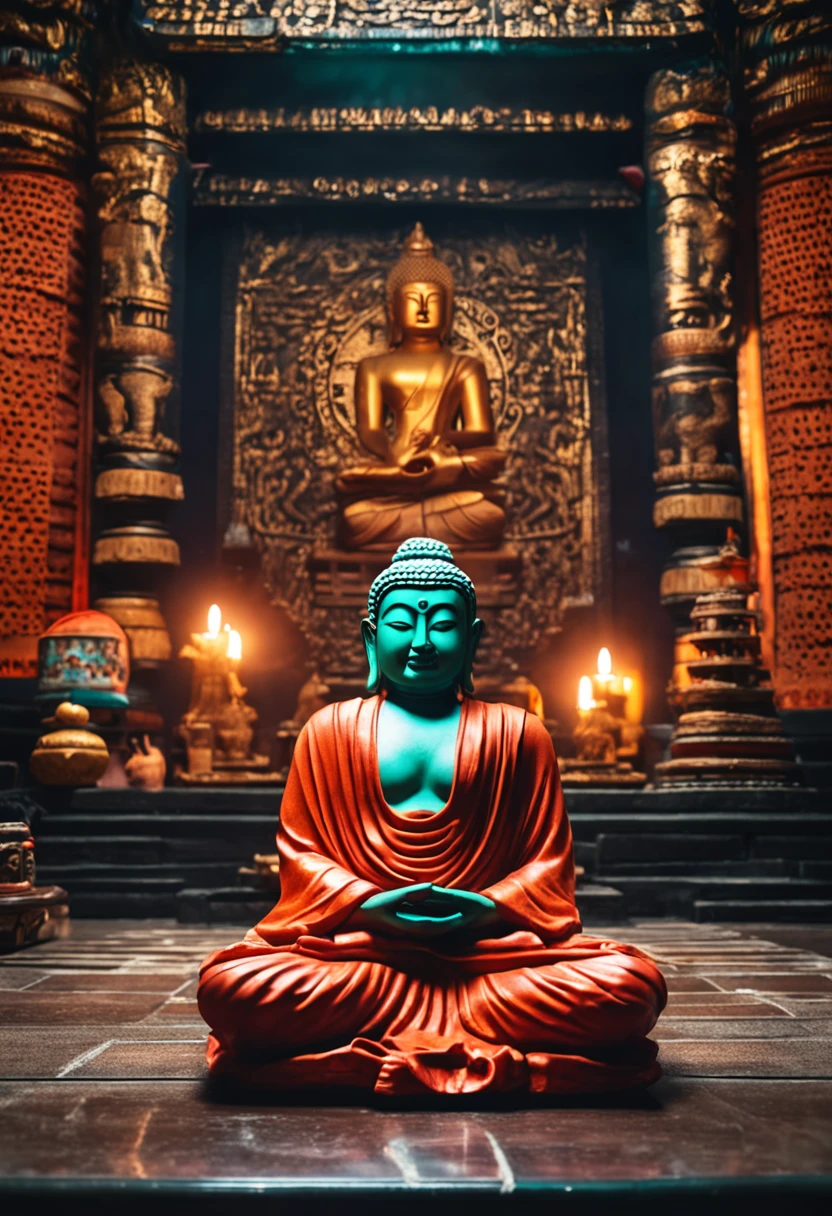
(788, 75)
(43, 411)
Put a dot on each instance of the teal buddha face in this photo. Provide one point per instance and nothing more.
(423, 641)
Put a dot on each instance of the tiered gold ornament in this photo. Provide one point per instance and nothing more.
(728, 732)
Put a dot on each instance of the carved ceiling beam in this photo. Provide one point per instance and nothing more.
(45, 431)
(221, 190)
(140, 193)
(428, 119)
(455, 25)
(691, 170)
(787, 71)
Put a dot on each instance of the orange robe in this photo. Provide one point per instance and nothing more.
(538, 1006)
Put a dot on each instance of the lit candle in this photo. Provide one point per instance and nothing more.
(214, 620)
(234, 650)
(603, 678)
(586, 701)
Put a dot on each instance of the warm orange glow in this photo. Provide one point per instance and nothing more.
(628, 685)
(604, 662)
(235, 645)
(585, 697)
(214, 620)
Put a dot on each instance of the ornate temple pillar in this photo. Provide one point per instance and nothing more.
(140, 129)
(787, 58)
(691, 169)
(44, 416)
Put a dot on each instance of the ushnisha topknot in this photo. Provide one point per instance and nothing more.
(422, 562)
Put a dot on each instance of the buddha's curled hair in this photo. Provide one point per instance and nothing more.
(422, 562)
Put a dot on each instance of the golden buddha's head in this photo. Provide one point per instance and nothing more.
(420, 292)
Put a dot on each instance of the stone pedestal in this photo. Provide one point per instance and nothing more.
(28, 914)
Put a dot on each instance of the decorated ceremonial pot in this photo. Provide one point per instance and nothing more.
(71, 754)
(84, 658)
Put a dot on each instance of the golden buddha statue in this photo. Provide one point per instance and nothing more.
(437, 464)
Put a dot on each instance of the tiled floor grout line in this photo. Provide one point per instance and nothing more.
(83, 1058)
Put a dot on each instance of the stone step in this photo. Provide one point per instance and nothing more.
(750, 868)
(587, 826)
(110, 850)
(801, 847)
(208, 835)
(134, 885)
(78, 877)
(599, 905)
(243, 906)
(663, 895)
(816, 869)
(789, 911)
(112, 905)
(668, 846)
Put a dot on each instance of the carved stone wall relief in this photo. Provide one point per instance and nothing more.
(309, 307)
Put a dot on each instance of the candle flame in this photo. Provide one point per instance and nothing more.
(585, 698)
(214, 620)
(628, 685)
(235, 645)
(604, 662)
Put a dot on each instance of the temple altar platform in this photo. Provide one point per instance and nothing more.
(704, 855)
(105, 1100)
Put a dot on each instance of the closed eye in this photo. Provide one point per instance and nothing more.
(443, 626)
(401, 626)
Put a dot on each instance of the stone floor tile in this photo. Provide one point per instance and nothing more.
(775, 982)
(124, 1059)
(79, 1009)
(757, 1058)
(84, 982)
(44, 1050)
(689, 983)
(12, 978)
(752, 1009)
(683, 1128)
(805, 1006)
(744, 1027)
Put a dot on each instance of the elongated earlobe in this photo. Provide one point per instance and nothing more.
(368, 633)
(467, 678)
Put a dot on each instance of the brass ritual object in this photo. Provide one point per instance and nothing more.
(71, 754)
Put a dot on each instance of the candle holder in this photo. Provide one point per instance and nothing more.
(600, 739)
(597, 740)
(218, 726)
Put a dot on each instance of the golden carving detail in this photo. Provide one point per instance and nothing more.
(138, 483)
(263, 24)
(434, 119)
(691, 168)
(310, 308)
(218, 189)
(140, 125)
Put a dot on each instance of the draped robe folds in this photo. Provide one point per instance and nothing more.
(537, 1006)
(427, 489)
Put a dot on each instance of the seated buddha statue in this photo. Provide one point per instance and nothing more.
(426, 938)
(424, 413)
